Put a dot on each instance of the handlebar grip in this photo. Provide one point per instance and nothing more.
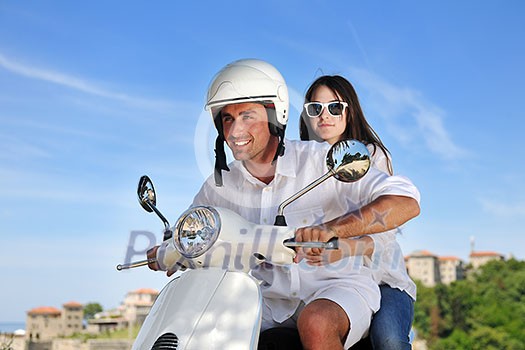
(332, 243)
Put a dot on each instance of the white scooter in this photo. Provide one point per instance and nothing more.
(215, 303)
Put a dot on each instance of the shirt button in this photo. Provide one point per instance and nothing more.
(294, 294)
(265, 221)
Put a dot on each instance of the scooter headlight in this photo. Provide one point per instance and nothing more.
(197, 230)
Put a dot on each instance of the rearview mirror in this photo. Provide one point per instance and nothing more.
(146, 194)
(148, 201)
(348, 160)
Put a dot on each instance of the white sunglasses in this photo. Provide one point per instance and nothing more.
(335, 108)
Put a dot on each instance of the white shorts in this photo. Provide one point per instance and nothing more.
(354, 305)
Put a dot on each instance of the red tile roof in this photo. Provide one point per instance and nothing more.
(141, 303)
(453, 258)
(419, 253)
(485, 254)
(146, 291)
(44, 310)
(72, 304)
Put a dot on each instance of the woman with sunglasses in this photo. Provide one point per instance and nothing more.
(331, 113)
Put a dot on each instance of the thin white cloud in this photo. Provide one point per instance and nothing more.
(503, 209)
(79, 84)
(407, 112)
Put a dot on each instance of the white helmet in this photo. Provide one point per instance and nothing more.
(248, 80)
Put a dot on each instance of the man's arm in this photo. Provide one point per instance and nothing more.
(384, 213)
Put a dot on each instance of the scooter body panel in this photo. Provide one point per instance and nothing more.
(205, 309)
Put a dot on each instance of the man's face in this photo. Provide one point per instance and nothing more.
(245, 127)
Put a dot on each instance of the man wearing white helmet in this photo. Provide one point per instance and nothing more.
(330, 305)
(248, 81)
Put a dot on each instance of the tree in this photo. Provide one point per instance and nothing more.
(487, 311)
(90, 309)
(426, 301)
(457, 340)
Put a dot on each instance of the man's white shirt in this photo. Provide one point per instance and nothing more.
(285, 287)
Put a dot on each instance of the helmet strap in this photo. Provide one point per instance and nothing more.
(220, 160)
(220, 155)
(276, 129)
(280, 147)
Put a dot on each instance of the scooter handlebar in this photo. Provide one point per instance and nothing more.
(139, 263)
(332, 243)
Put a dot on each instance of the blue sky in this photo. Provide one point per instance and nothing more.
(95, 94)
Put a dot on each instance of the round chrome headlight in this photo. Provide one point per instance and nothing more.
(197, 230)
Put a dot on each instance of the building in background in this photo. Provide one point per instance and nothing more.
(106, 321)
(422, 265)
(137, 304)
(72, 316)
(478, 259)
(46, 322)
(451, 269)
(431, 269)
(132, 311)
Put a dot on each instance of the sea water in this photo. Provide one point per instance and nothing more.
(10, 327)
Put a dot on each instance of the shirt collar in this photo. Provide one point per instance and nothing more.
(285, 167)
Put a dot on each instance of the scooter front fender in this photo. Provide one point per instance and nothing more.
(204, 309)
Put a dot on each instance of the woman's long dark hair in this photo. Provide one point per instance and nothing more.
(357, 126)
